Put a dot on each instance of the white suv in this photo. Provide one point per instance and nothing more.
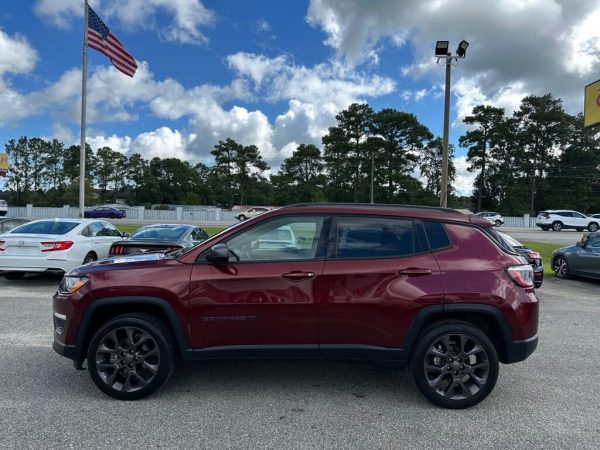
(3, 208)
(557, 219)
(493, 217)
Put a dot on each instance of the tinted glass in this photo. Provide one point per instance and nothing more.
(287, 238)
(46, 227)
(373, 237)
(593, 242)
(109, 230)
(166, 233)
(199, 234)
(436, 235)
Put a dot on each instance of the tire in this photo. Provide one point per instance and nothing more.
(14, 276)
(561, 267)
(592, 227)
(86, 215)
(241, 217)
(579, 229)
(91, 256)
(557, 226)
(545, 228)
(464, 385)
(498, 223)
(113, 356)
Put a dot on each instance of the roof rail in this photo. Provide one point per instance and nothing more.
(374, 205)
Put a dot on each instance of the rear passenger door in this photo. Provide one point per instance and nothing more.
(378, 274)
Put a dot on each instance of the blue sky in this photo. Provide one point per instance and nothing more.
(274, 73)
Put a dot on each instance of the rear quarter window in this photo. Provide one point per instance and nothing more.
(436, 235)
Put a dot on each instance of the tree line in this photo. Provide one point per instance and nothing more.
(538, 157)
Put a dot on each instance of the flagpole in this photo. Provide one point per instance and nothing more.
(83, 108)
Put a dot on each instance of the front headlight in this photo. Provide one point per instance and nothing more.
(70, 285)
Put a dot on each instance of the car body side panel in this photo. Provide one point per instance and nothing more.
(474, 273)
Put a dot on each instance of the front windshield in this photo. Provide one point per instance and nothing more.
(161, 233)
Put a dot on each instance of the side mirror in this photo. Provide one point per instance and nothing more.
(125, 234)
(218, 254)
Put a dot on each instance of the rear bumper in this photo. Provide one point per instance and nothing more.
(12, 263)
(520, 350)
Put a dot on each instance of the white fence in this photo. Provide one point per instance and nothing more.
(135, 213)
(185, 215)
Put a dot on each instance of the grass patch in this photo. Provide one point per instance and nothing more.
(131, 227)
(545, 249)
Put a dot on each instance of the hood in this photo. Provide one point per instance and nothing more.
(117, 260)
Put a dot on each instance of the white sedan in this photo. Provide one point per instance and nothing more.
(54, 245)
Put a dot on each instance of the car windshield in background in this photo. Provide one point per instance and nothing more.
(162, 233)
(45, 227)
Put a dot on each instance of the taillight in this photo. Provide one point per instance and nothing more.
(117, 250)
(522, 275)
(534, 255)
(545, 215)
(55, 246)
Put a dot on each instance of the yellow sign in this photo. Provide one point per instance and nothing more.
(4, 162)
(591, 109)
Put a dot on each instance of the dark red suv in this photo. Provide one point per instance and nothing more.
(430, 287)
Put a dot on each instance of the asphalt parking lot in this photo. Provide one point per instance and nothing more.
(550, 400)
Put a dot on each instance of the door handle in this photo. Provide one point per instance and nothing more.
(414, 271)
(298, 275)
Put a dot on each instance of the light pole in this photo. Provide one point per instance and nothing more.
(372, 173)
(442, 53)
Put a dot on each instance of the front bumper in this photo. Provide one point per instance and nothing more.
(519, 350)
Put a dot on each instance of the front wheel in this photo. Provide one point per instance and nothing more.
(241, 217)
(498, 223)
(592, 227)
(455, 365)
(561, 267)
(131, 356)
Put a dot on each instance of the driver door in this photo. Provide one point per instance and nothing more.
(266, 295)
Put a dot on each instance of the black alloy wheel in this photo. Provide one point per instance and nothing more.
(455, 365)
(557, 226)
(131, 356)
(89, 258)
(561, 267)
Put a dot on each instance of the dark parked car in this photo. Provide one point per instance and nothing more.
(159, 238)
(581, 259)
(427, 287)
(104, 212)
(532, 257)
(8, 223)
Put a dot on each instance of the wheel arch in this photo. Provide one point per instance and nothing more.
(104, 309)
(488, 319)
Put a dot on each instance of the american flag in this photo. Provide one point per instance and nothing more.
(100, 38)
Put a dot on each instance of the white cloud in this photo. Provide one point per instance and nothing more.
(16, 54)
(187, 17)
(517, 47)
(463, 183)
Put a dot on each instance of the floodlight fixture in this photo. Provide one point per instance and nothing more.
(441, 48)
(462, 49)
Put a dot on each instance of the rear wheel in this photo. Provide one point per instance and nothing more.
(545, 228)
(14, 275)
(241, 217)
(561, 267)
(131, 356)
(592, 227)
(557, 226)
(455, 365)
(498, 223)
(89, 258)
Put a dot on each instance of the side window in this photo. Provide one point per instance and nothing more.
(436, 235)
(198, 234)
(579, 215)
(286, 238)
(8, 225)
(593, 242)
(373, 237)
(86, 232)
(109, 230)
(95, 229)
